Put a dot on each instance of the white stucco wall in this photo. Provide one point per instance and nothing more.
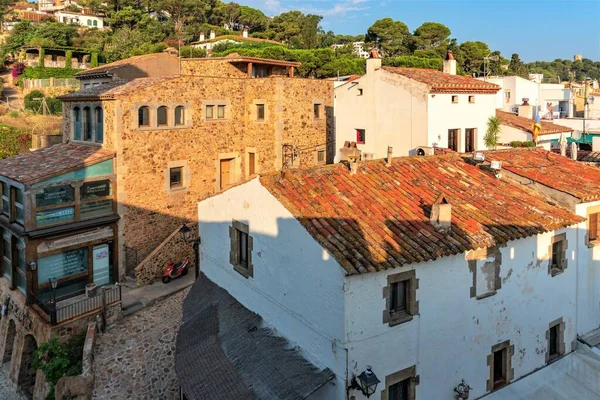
(519, 88)
(392, 110)
(588, 279)
(509, 134)
(297, 286)
(444, 115)
(454, 333)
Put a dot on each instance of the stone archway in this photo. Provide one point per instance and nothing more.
(11, 335)
(26, 379)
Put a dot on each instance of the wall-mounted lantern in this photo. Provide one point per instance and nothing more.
(367, 382)
(33, 265)
(462, 391)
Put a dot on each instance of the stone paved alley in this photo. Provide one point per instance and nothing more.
(135, 359)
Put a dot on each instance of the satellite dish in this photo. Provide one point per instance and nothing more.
(576, 134)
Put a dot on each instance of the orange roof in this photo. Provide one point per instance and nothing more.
(51, 161)
(126, 61)
(379, 218)
(525, 124)
(236, 37)
(441, 82)
(235, 57)
(551, 170)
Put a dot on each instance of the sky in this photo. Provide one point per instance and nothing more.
(538, 30)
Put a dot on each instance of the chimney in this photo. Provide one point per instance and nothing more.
(573, 151)
(441, 213)
(373, 62)
(525, 110)
(450, 64)
(212, 33)
(202, 36)
(245, 33)
(353, 165)
(388, 160)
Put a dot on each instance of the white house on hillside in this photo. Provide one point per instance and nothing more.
(428, 269)
(82, 19)
(410, 108)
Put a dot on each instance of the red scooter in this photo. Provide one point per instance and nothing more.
(175, 270)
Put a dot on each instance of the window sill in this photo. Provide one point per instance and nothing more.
(399, 318)
(216, 120)
(484, 296)
(177, 189)
(161, 128)
(244, 271)
(556, 271)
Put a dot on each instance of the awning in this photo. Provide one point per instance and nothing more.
(575, 376)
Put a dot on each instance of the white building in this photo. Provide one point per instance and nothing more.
(209, 43)
(520, 128)
(410, 108)
(359, 48)
(429, 269)
(86, 20)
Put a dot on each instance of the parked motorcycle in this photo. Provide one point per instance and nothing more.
(175, 270)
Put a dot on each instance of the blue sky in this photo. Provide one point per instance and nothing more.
(536, 29)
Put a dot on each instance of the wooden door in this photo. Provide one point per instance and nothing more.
(225, 173)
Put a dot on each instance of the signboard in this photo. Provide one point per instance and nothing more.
(51, 196)
(54, 216)
(95, 189)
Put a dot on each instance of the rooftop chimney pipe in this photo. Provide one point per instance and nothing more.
(388, 161)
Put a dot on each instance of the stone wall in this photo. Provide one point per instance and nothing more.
(172, 249)
(211, 67)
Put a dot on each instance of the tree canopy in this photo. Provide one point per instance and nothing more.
(391, 37)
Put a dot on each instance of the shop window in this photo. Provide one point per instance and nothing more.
(240, 254)
(7, 255)
(95, 199)
(69, 268)
(400, 295)
(143, 117)
(179, 116)
(161, 116)
(99, 119)
(76, 123)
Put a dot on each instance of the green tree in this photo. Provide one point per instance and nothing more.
(391, 37)
(492, 134)
(191, 52)
(471, 56)
(227, 14)
(253, 19)
(296, 29)
(517, 67)
(431, 35)
(185, 11)
(5, 8)
(127, 17)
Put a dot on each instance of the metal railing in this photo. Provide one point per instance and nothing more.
(60, 313)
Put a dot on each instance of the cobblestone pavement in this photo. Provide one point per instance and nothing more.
(136, 358)
(5, 392)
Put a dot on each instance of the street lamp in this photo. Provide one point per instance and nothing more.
(367, 382)
(187, 236)
(53, 283)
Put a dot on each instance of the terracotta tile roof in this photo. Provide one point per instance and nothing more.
(237, 38)
(51, 161)
(441, 82)
(106, 68)
(116, 88)
(235, 57)
(525, 124)
(380, 217)
(552, 170)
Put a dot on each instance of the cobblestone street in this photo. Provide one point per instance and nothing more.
(5, 392)
(135, 359)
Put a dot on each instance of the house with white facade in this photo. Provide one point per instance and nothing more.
(359, 48)
(413, 110)
(209, 43)
(403, 277)
(519, 128)
(82, 19)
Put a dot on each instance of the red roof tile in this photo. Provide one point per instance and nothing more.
(379, 218)
(552, 170)
(51, 161)
(441, 82)
(525, 124)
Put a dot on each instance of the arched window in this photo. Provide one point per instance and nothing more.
(87, 124)
(161, 116)
(77, 123)
(143, 116)
(179, 115)
(99, 118)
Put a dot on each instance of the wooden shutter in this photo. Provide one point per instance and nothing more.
(593, 227)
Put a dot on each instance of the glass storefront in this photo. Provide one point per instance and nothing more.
(7, 256)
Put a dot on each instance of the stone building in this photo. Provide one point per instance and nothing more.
(180, 138)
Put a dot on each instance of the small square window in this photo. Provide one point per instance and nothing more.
(471, 99)
(454, 99)
(360, 136)
(558, 259)
(240, 255)
(398, 297)
(220, 112)
(260, 112)
(176, 177)
(210, 112)
(360, 92)
(317, 110)
(321, 156)
(400, 294)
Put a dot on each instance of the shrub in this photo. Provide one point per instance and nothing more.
(191, 52)
(42, 54)
(516, 143)
(492, 135)
(94, 60)
(14, 114)
(44, 73)
(68, 58)
(529, 143)
(17, 70)
(13, 141)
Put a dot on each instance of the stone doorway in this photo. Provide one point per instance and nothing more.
(11, 334)
(27, 374)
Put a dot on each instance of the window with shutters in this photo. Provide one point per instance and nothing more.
(401, 385)
(401, 298)
(240, 254)
(558, 255)
(593, 233)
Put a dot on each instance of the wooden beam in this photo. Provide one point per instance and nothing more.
(249, 70)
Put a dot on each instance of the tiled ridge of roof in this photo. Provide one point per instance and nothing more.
(525, 124)
(380, 217)
(441, 82)
(126, 61)
(553, 170)
(50, 161)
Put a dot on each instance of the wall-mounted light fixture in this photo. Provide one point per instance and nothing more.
(33, 265)
(462, 390)
(366, 382)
